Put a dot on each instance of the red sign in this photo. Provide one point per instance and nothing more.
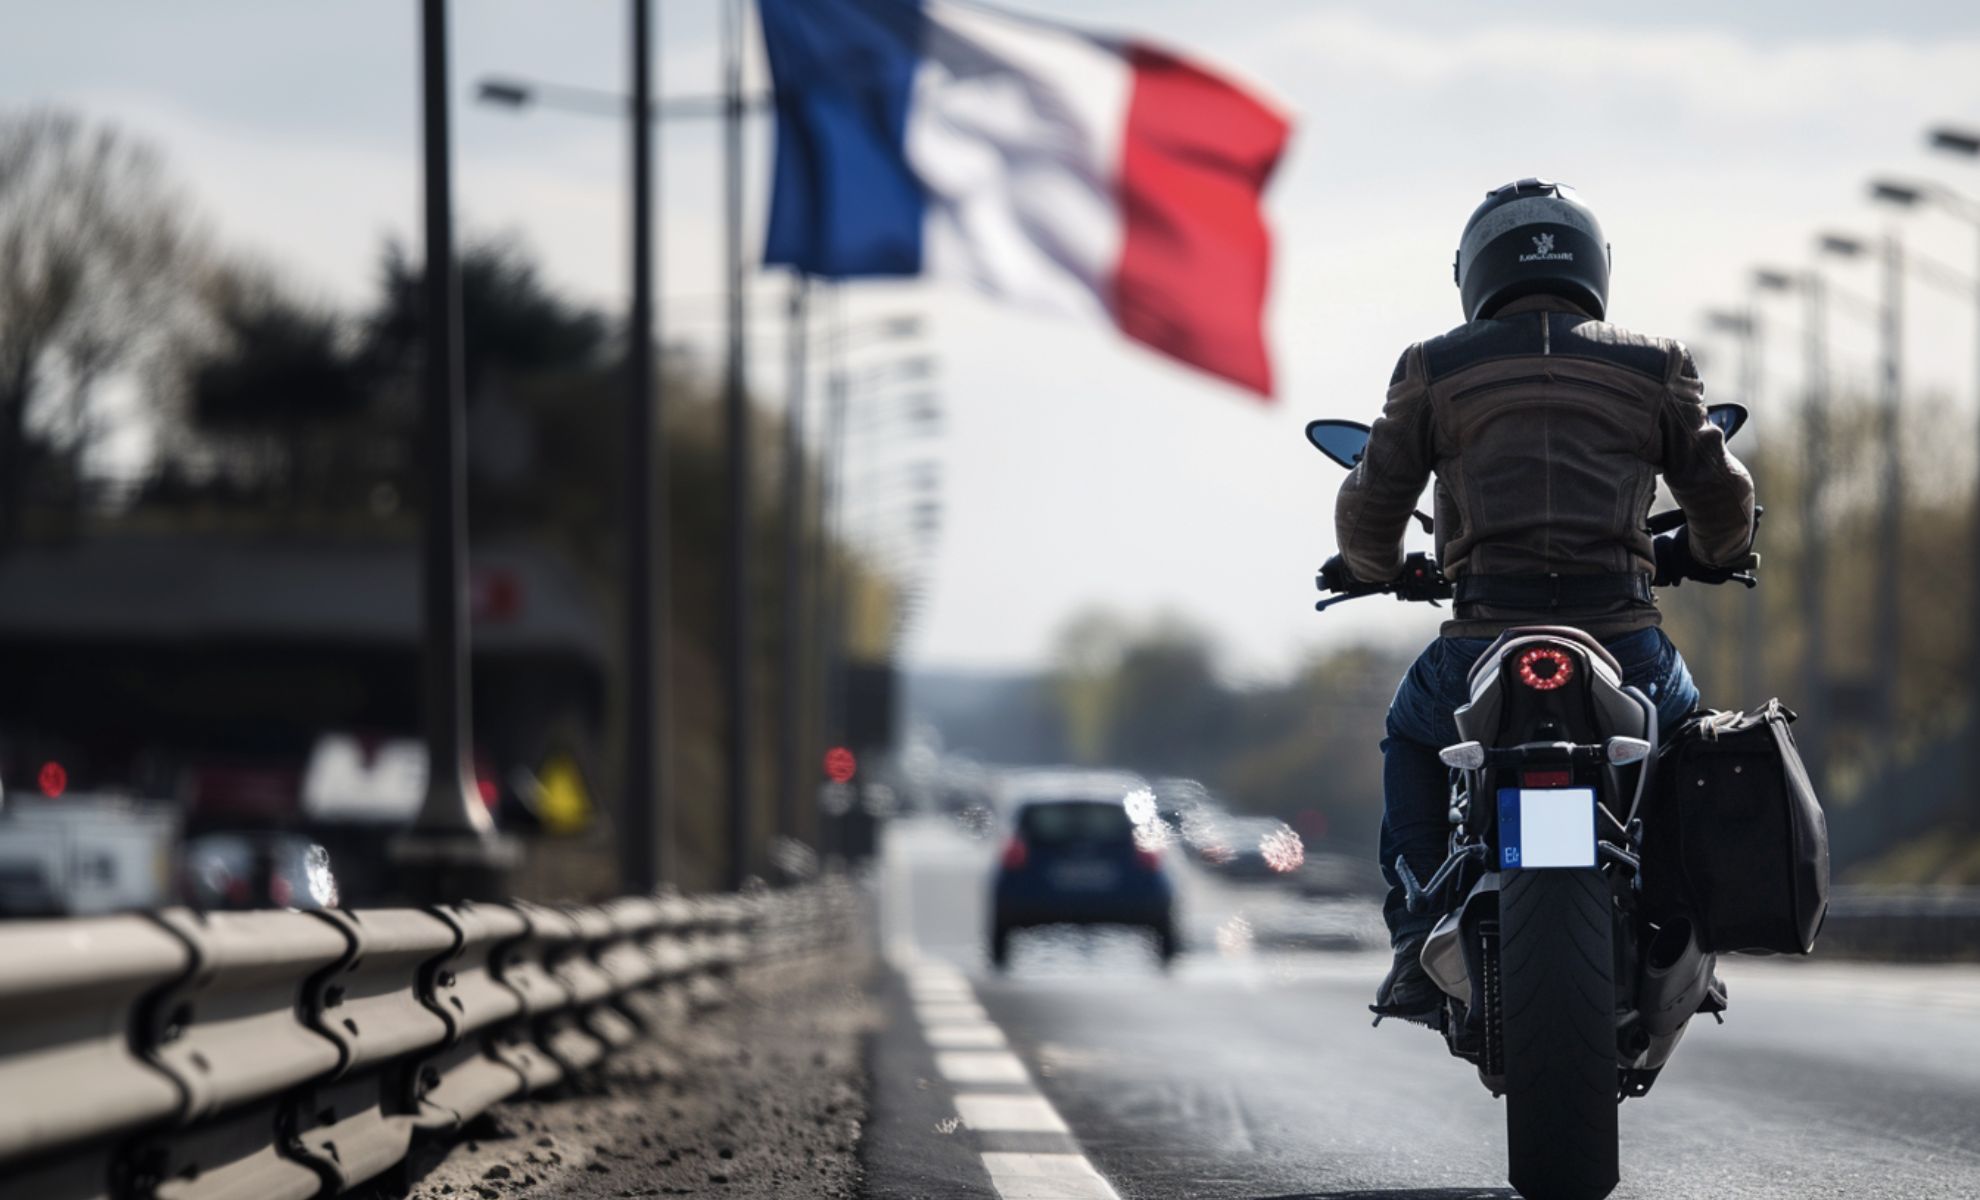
(840, 765)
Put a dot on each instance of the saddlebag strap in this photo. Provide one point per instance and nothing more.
(1540, 592)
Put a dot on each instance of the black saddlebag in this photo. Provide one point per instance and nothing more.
(1735, 838)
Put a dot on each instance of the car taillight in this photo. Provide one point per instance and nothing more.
(1147, 860)
(1015, 854)
(1544, 668)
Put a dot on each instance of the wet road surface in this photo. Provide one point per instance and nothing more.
(1250, 1069)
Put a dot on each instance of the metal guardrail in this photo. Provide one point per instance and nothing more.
(1905, 924)
(291, 1055)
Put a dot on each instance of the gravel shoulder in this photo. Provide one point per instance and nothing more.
(762, 1097)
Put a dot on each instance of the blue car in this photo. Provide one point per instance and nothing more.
(1077, 862)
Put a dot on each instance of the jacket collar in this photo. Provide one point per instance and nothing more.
(1541, 302)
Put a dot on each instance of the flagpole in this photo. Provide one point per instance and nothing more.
(736, 429)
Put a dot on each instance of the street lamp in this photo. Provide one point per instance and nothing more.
(452, 852)
(1888, 628)
(1956, 141)
(508, 91)
(646, 841)
(1813, 586)
(1744, 326)
(1966, 143)
(519, 94)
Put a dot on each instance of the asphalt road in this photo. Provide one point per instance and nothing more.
(1250, 1070)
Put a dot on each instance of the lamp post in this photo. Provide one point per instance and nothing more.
(1965, 144)
(1744, 325)
(646, 804)
(644, 858)
(736, 658)
(1813, 586)
(790, 716)
(646, 827)
(452, 850)
(1888, 627)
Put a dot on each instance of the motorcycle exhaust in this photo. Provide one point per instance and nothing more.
(1677, 976)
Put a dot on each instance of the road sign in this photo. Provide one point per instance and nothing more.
(840, 765)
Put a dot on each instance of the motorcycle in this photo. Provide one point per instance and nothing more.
(1559, 987)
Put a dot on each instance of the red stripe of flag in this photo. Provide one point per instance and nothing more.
(1196, 257)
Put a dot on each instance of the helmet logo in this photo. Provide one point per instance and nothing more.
(1543, 251)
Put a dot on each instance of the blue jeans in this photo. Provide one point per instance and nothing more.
(1416, 785)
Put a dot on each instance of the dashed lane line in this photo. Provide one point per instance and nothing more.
(995, 1098)
(997, 1112)
(980, 1066)
(976, 1035)
(1046, 1177)
(1026, 1147)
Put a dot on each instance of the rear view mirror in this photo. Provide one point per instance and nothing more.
(1728, 417)
(1342, 441)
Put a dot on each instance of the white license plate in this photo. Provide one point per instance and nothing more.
(1546, 827)
(1086, 877)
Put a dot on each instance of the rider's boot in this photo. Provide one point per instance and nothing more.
(1408, 994)
(1715, 998)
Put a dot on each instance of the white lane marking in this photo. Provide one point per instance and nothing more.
(1046, 1177)
(950, 1014)
(969, 1051)
(1003, 1113)
(980, 1066)
(981, 1035)
(926, 994)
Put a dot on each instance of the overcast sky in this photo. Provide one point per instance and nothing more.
(1081, 469)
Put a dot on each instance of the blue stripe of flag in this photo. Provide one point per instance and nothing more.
(844, 202)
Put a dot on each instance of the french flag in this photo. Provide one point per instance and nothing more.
(1071, 173)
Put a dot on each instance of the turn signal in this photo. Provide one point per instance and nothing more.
(1623, 751)
(1015, 854)
(1544, 668)
(1465, 756)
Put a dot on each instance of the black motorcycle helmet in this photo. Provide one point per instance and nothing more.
(1529, 238)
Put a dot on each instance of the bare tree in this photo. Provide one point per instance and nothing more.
(92, 245)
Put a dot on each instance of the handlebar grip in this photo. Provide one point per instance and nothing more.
(1665, 522)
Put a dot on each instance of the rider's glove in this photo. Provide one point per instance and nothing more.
(1676, 563)
(1421, 579)
(1335, 577)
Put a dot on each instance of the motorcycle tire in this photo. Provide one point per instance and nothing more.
(1557, 971)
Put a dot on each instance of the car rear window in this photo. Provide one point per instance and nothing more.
(1062, 822)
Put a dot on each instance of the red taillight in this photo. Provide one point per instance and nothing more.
(1148, 860)
(1546, 779)
(1544, 668)
(54, 780)
(1015, 854)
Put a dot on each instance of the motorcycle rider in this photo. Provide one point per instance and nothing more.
(1546, 429)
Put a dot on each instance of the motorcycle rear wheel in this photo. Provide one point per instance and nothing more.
(1557, 968)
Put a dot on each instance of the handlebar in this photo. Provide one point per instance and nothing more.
(1666, 522)
(1422, 578)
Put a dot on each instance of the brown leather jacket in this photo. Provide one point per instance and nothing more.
(1546, 430)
